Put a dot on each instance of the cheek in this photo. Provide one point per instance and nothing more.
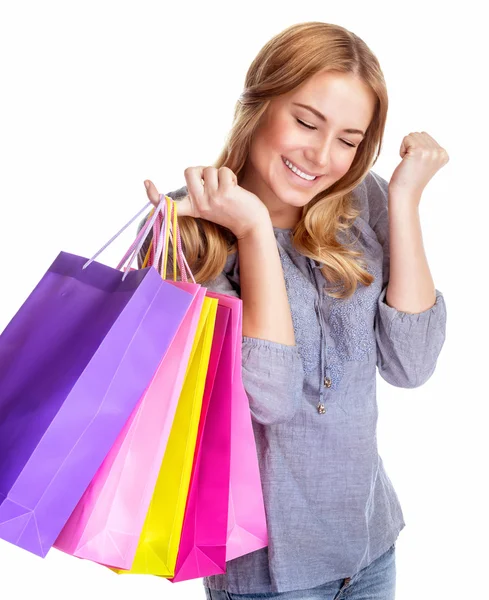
(341, 163)
(278, 135)
(265, 149)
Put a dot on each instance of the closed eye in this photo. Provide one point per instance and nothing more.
(311, 127)
(305, 125)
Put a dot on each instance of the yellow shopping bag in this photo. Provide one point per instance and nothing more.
(160, 537)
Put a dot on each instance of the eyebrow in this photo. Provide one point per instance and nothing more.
(323, 118)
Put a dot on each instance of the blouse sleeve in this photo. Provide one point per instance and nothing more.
(408, 344)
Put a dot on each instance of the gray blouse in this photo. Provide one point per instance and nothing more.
(331, 508)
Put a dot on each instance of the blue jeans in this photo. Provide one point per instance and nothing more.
(377, 581)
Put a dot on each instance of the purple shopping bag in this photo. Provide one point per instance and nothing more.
(74, 361)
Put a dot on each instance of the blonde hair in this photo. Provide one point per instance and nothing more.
(284, 63)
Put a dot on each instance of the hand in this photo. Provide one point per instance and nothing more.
(421, 157)
(214, 195)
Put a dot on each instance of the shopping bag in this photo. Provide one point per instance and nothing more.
(159, 541)
(106, 524)
(247, 528)
(74, 361)
(202, 549)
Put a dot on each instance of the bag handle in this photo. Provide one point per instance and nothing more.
(163, 232)
(159, 248)
(169, 232)
(139, 239)
(137, 244)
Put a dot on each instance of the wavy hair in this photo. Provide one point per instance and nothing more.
(283, 64)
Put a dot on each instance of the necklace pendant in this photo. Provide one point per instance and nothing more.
(321, 408)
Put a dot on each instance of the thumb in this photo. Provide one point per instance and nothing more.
(152, 192)
(185, 208)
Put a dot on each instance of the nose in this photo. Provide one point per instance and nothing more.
(320, 154)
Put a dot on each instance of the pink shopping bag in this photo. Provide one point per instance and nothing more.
(247, 528)
(225, 514)
(202, 549)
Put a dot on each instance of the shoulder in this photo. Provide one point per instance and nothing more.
(178, 194)
(371, 197)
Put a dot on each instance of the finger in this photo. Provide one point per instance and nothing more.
(424, 140)
(196, 188)
(430, 141)
(210, 175)
(227, 177)
(152, 192)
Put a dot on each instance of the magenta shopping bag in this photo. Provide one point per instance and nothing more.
(74, 362)
(202, 549)
(247, 528)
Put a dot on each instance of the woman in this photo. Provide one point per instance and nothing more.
(328, 260)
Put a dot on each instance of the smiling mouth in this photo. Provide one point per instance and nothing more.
(302, 174)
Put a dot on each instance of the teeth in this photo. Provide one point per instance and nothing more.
(297, 171)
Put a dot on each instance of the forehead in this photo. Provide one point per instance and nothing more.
(336, 96)
(330, 83)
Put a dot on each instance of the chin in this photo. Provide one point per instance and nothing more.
(294, 199)
(296, 203)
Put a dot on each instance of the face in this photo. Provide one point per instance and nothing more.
(319, 148)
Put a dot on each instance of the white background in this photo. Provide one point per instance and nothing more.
(98, 96)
